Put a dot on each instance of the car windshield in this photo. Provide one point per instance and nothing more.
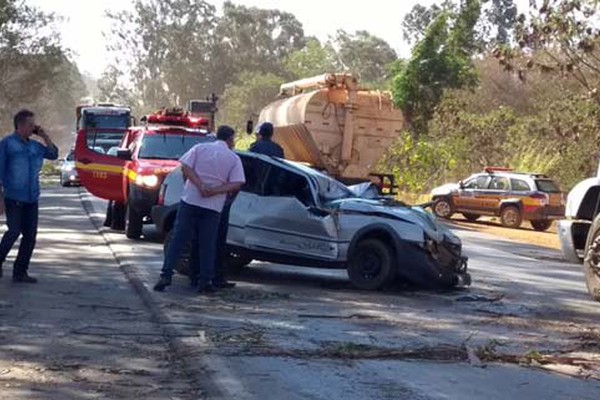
(168, 146)
(547, 186)
(329, 188)
(105, 121)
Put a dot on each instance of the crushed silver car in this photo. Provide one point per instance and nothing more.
(289, 213)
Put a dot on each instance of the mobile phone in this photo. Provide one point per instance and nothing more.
(36, 130)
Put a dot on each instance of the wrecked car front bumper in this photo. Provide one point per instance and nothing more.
(434, 264)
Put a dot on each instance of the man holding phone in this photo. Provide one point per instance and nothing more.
(21, 161)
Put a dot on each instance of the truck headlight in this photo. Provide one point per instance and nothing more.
(146, 180)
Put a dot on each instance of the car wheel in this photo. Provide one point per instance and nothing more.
(471, 217)
(510, 216)
(117, 220)
(133, 223)
(236, 262)
(541, 225)
(182, 266)
(443, 208)
(370, 266)
(63, 183)
(591, 261)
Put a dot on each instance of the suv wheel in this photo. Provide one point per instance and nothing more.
(442, 207)
(182, 266)
(133, 223)
(370, 266)
(591, 262)
(541, 225)
(510, 216)
(471, 217)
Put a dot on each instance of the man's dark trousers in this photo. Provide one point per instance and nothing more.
(199, 224)
(21, 219)
(221, 258)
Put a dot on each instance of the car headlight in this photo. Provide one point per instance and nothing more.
(146, 180)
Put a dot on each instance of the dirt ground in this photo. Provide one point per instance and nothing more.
(525, 234)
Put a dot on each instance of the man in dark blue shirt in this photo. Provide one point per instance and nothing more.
(264, 144)
(21, 161)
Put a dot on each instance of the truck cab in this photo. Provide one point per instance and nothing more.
(131, 178)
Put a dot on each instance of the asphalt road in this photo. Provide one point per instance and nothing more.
(299, 333)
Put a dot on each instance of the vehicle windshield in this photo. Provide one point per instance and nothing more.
(104, 140)
(329, 188)
(547, 186)
(168, 146)
(105, 121)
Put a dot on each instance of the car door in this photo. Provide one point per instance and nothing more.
(498, 190)
(284, 217)
(101, 174)
(469, 197)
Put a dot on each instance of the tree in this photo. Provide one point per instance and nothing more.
(441, 60)
(313, 59)
(365, 55)
(246, 95)
(416, 22)
(36, 71)
(502, 14)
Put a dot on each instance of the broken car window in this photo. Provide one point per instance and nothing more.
(284, 183)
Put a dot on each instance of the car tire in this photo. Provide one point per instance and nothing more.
(591, 261)
(541, 225)
(235, 263)
(182, 266)
(442, 207)
(133, 223)
(117, 220)
(370, 265)
(471, 217)
(511, 217)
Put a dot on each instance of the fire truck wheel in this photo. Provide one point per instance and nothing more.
(117, 217)
(133, 223)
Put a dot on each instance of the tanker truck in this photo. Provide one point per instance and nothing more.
(331, 124)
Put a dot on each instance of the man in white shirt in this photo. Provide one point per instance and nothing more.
(212, 170)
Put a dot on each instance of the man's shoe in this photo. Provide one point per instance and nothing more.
(162, 284)
(207, 289)
(224, 285)
(24, 279)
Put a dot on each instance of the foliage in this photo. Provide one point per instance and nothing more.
(311, 60)
(246, 96)
(440, 61)
(36, 71)
(366, 56)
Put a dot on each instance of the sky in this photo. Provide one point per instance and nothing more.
(84, 21)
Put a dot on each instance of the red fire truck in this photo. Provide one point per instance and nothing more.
(130, 175)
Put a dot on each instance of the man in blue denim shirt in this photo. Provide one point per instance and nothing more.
(21, 160)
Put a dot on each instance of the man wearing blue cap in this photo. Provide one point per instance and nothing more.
(264, 144)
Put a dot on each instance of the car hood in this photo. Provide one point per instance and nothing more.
(158, 166)
(445, 189)
(412, 215)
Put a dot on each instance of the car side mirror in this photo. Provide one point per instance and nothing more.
(124, 154)
(249, 127)
(461, 184)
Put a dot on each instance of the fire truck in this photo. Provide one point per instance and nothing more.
(129, 175)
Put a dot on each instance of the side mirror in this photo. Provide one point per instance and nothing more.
(249, 127)
(124, 154)
(461, 184)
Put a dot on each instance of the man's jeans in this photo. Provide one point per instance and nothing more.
(199, 225)
(22, 219)
(221, 255)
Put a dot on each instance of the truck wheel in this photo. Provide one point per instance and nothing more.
(471, 217)
(182, 266)
(510, 216)
(370, 266)
(133, 223)
(591, 261)
(541, 225)
(117, 220)
(443, 208)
